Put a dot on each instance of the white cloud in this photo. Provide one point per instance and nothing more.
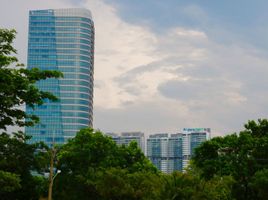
(119, 48)
(165, 81)
(132, 62)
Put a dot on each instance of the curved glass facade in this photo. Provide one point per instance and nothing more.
(63, 40)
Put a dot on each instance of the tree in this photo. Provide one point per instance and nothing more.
(116, 183)
(132, 158)
(17, 160)
(9, 182)
(260, 183)
(189, 185)
(237, 155)
(91, 157)
(178, 186)
(17, 85)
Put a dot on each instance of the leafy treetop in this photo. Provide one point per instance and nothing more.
(17, 85)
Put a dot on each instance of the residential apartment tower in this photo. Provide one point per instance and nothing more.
(125, 138)
(165, 151)
(173, 152)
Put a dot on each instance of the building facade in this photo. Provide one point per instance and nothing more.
(63, 40)
(173, 152)
(125, 138)
(165, 151)
(192, 138)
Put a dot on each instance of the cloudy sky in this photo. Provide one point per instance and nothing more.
(161, 66)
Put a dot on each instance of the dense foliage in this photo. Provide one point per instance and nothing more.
(94, 167)
(17, 160)
(243, 156)
(91, 157)
(17, 85)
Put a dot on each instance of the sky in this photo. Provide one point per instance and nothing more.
(161, 66)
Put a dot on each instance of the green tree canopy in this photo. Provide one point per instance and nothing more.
(238, 155)
(17, 160)
(91, 157)
(9, 182)
(260, 183)
(17, 85)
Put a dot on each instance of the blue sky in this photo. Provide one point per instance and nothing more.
(242, 19)
(161, 66)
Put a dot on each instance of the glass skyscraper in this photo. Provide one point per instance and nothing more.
(63, 40)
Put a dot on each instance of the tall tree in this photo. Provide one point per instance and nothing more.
(239, 155)
(17, 160)
(260, 183)
(17, 85)
(89, 157)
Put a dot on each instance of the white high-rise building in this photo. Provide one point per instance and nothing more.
(165, 151)
(192, 138)
(173, 152)
(125, 138)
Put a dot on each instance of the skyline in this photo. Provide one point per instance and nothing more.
(178, 65)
